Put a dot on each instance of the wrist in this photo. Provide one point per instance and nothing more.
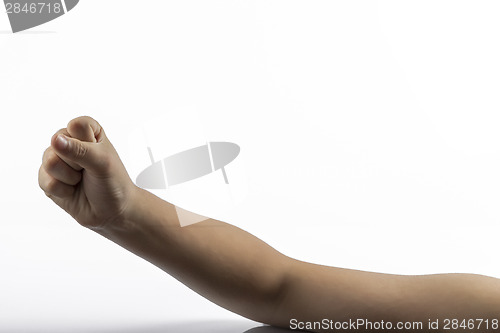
(124, 213)
(131, 204)
(143, 213)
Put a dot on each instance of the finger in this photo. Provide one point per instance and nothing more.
(85, 129)
(68, 162)
(59, 169)
(52, 186)
(90, 156)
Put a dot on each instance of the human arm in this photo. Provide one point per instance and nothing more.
(239, 272)
(231, 267)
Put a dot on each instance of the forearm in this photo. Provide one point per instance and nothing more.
(243, 274)
(221, 262)
(318, 292)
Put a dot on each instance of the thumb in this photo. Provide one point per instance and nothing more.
(88, 155)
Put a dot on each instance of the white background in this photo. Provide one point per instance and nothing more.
(369, 134)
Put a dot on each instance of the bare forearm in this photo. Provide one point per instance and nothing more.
(316, 292)
(221, 262)
(243, 274)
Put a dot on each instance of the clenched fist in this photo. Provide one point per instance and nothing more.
(83, 174)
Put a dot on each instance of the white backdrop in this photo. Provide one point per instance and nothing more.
(368, 132)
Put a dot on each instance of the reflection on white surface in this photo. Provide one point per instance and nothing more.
(221, 326)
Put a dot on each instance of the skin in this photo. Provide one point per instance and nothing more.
(83, 174)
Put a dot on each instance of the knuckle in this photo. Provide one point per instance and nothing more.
(75, 124)
(51, 185)
(84, 128)
(85, 119)
(40, 178)
(46, 183)
(80, 123)
(51, 161)
(46, 154)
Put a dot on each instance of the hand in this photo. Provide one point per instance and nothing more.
(83, 174)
